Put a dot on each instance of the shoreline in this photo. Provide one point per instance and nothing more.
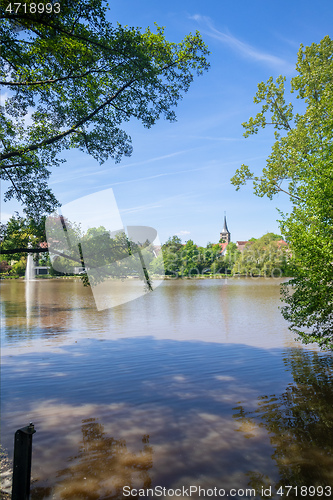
(153, 277)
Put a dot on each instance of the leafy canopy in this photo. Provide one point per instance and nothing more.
(72, 80)
(266, 256)
(301, 165)
(20, 232)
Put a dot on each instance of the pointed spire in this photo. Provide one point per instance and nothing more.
(225, 227)
(225, 234)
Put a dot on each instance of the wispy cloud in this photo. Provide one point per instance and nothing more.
(158, 175)
(140, 208)
(157, 158)
(242, 48)
(88, 172)
(167, 204)
(73, 192)
(219, 139)
(146, 162)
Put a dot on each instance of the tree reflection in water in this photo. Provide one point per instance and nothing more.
(299, 422)
(101, 468)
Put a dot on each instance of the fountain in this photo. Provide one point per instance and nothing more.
(30, 269)
(29, 286)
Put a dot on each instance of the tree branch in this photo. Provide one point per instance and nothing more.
(56, 138)
(55, 27)
(24, 250)
(289, 194)
(14, 165)
(55, 80)
(284, 119)
(39, 250)
(14, 186)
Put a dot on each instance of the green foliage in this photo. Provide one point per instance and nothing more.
(173, 242)
(212, 259)
(104, 255)
(74, 79)
(219, 266)
(232, 254)
(171, 252)
(191, 260)
(111, 254)
(20, 232)
(156, 266)
(309, 297)
(263, 257)
(19, 267)
(301, 166)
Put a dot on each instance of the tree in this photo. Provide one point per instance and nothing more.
(301, 165)
(174, 243)
(231, 255)
(211, 257)
(171, 251)
(20, 233)
(190, 259)
(156, 266)
(19, 267)
(73, 79)
(264, 257)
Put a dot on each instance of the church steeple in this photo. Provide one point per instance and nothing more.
(225, 234)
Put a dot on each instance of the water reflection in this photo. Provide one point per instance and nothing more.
(214, 310)
(299, 421)
(175, 365)
(180, 393)
(40, 308)
(101, 467)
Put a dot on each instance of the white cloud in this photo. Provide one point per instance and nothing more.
(243, 48)
(183, 233)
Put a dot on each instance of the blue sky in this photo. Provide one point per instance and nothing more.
(178, 177)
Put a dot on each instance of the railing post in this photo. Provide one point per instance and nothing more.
(22, 463)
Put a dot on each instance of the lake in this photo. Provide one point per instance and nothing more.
(198, 384)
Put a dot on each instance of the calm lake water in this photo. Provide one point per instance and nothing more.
(198, 383)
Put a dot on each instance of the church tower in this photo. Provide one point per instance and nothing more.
(225, 235)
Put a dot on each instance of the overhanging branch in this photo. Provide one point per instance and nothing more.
(58, 137)
(39, 250)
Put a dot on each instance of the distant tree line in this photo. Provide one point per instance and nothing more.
(265, 256)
